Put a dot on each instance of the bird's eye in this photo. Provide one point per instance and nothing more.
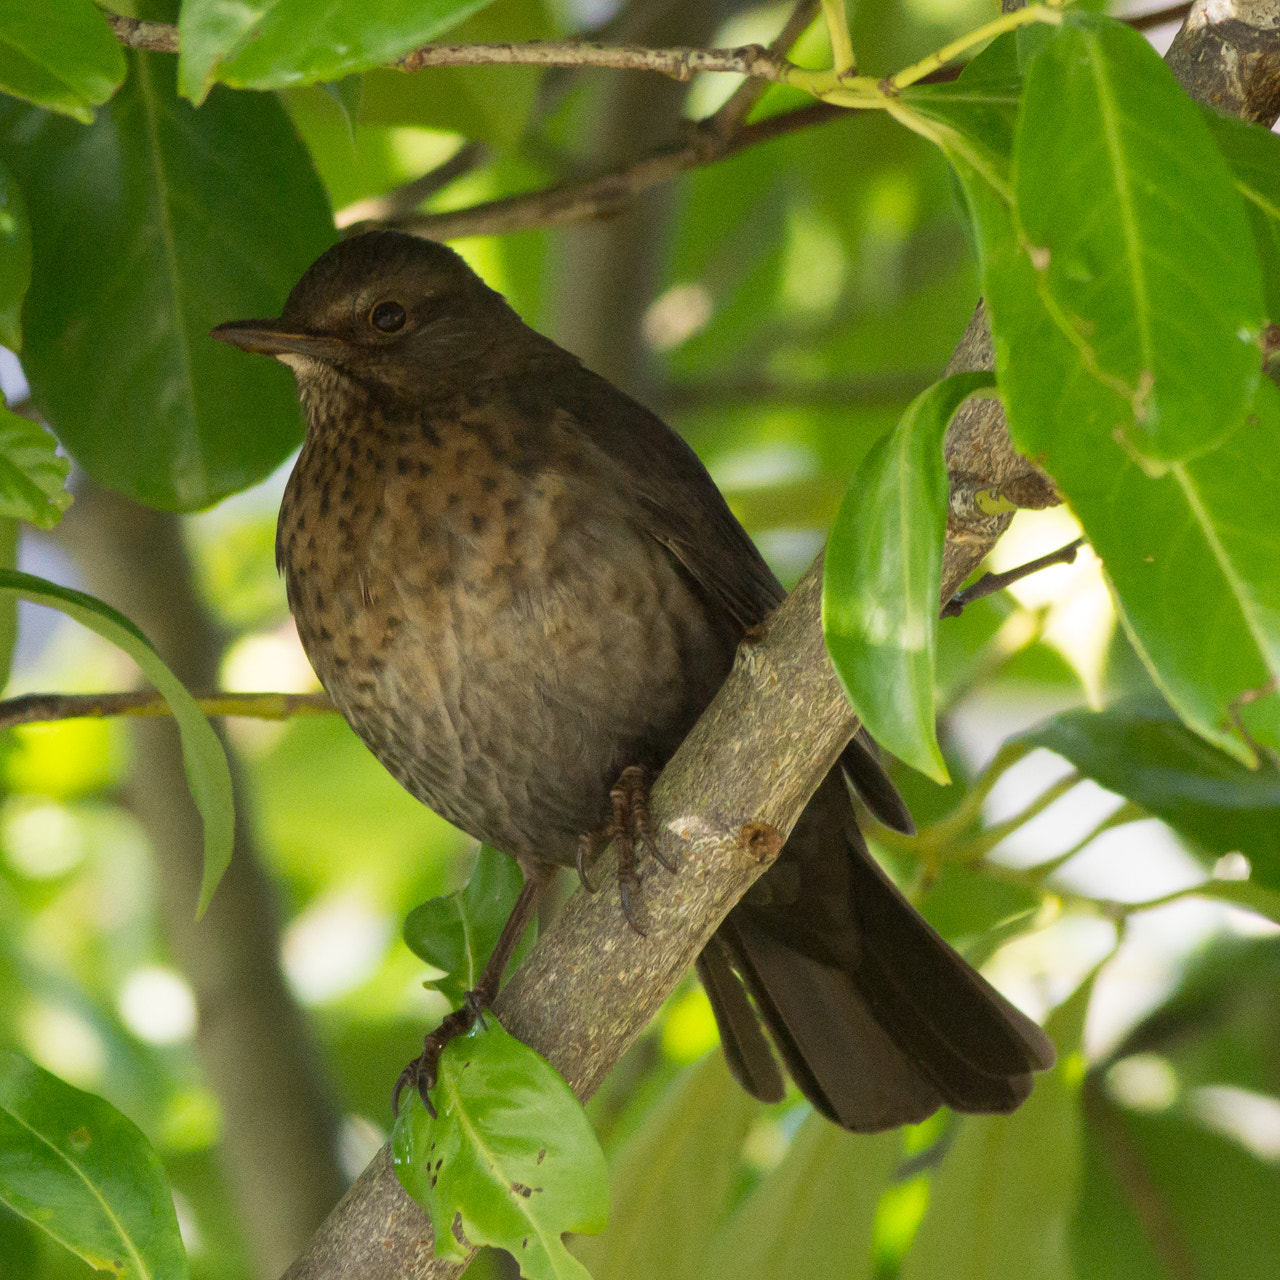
(387, 317)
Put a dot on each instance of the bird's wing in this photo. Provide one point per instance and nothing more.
(679, 503)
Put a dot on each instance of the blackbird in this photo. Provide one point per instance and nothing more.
(521, 589)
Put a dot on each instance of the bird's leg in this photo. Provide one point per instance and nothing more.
(629, 825)
(421, 1072)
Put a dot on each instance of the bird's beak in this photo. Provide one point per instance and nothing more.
(275, 338)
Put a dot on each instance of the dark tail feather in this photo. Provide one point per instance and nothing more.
(879, 1021)
(746, 1047)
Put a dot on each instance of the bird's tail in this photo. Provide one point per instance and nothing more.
(877, 1018)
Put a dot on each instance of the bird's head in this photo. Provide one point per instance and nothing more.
(383, 308)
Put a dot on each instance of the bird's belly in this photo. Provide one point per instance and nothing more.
(510, 703)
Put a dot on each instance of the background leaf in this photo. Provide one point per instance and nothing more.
(84, 1173)
(883, 573)
(202, 755)
(154, 224)
(15, 260)
(814, 1214)
(511, 1159)
(672, 1179)
(1139, 750)
(59, 54)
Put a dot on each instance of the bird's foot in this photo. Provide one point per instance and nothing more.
(630, 827)
(422, 1072)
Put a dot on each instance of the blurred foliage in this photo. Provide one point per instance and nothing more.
(805, 290)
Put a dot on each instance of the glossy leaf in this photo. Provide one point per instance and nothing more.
(883, 575)
(1141, 251)
(76, 1167)
(457, 933)
(1253, 154)
(202, 755)
(510, 1161)
(154, 224)
(1191, 555)
(672, 1179)
(1000, 1204)
(15, 260)
(1141, 751)
(32, 475)
(270, 44)
(812, 1215)
(59, 54)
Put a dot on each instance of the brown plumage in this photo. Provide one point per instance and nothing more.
(515, 582)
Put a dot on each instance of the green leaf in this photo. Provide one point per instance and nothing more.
(32, 475)
(59, 54)
(1000, 1204)
(1160, 1190)
(205, 761)
(76, 1167)
(270, 44)
(1192, 556)
(15, 260)
(511, 1160)
(813, 1215)
(457, 933)
(152, 225)
(672, 1179)
(1141, 250)
(1139, 750)
(1253, 153)
(883, 575)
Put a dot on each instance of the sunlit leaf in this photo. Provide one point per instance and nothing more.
(1141, 251)
(59, 54)
(76, 1167)
(1192, 555)
(883, 575)
(205, 762)
(510, 1161)
(32, 475)
(152, 225)
(269, 44)
(457, 933)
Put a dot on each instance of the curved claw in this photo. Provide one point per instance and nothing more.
(586, 853)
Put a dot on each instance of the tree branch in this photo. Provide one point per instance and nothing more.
(37, 708)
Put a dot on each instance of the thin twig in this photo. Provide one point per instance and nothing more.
(610, 193)
(35, 708)
(403, 200)
(990, 583)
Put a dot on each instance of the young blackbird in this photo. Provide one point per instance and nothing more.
(521, 589)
